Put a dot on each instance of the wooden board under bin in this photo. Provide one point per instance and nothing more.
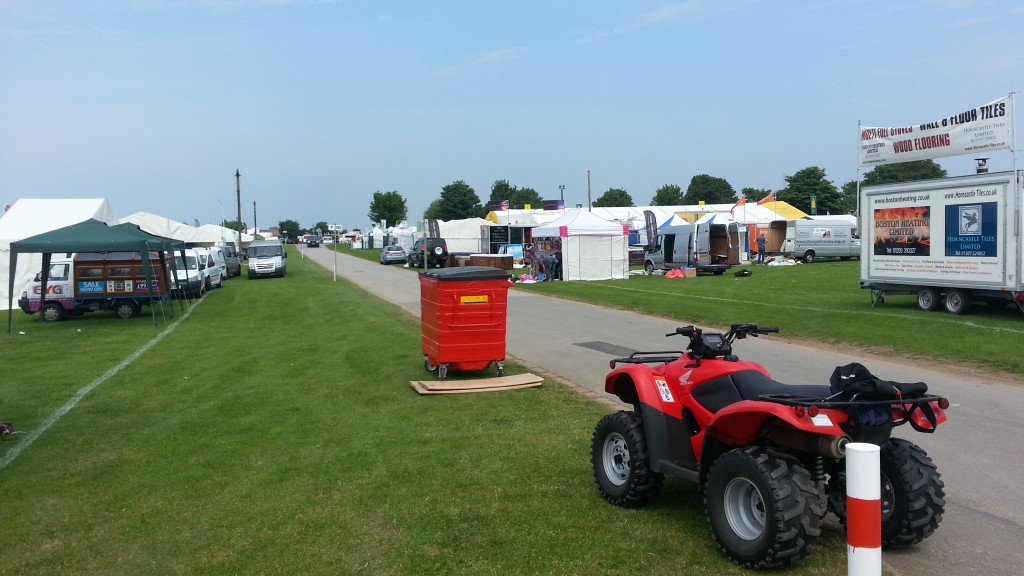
(499, 261)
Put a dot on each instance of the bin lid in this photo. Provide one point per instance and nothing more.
(457, 273)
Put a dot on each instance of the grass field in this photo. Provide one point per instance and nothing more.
(275, 433)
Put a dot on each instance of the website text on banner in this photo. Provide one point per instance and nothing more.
(987, 127)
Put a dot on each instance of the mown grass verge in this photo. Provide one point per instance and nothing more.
(274, 432)
(820, 303)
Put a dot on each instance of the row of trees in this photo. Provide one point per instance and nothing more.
(458, 200)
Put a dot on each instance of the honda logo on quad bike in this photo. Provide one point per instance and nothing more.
(768, 456)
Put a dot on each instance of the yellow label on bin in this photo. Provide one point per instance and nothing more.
(481, 299)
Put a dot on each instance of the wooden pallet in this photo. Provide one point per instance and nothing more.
(466, 386)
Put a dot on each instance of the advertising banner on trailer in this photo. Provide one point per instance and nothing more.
(955, 231)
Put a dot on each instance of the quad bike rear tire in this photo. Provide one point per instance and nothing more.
(622, 469)
(913, 494)
(764, 508)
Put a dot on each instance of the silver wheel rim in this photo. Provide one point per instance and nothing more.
(744, 509)
(615, 459)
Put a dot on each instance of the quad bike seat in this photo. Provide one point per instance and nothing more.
(750, 385)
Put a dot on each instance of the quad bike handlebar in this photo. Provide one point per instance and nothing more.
(708, 345)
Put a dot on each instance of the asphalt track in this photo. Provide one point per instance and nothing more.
(979, 451)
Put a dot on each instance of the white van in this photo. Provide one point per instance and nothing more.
(188, 277)
(821, 237)
(267, 258)
(703, 246)
(216, 266)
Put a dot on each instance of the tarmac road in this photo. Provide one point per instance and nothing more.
(979, 451)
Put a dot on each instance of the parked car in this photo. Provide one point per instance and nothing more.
(232, 260)
(392, 254)
(433, 251)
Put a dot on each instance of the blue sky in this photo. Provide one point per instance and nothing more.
(153, 104)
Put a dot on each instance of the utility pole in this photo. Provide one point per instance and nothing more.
(254, 226)
(238, 197)
(588, 192)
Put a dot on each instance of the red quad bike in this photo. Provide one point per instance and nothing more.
(768, 456)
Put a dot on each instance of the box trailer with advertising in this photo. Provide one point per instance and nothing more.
(950, 242)
(88, 282)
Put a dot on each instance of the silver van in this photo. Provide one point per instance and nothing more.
(267, 258)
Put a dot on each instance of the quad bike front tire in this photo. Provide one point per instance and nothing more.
(913, 494)
(765, 510)
(622, 469)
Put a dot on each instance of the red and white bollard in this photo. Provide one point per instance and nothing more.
(863, 510)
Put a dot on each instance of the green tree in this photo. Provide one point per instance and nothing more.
(232, 225)
(614, 197)
(524, 196)
(389, 207)
(458, 201)
(903, 172)
(668, 195)
(848, 198)
(501, 190)
(319, 226)
(811, 183)
(710, 189)
(755, 194)
(289, 229)
(517, 197)
(433, 210)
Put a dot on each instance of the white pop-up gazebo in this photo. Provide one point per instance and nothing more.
(592, 247)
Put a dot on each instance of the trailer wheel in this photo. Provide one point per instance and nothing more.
(649, 267)
(928, 299)
(126, 309)
(809, 256)
(52, 312)
(957, 302)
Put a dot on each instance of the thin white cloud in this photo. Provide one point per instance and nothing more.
(491, 58)
(661, 15)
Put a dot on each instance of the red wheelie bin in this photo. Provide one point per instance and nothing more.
(463, 311)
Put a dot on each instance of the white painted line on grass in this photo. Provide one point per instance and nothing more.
(941, 318)
(60, 412)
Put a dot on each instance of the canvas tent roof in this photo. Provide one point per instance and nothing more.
(31, 216)
(88, 236)
(579, 222)
(464, 235)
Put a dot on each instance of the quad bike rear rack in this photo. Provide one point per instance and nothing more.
(660, 357)
(832, 402)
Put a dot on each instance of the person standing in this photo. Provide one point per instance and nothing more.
(761, 243)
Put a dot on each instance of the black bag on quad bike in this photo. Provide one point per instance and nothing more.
(854, 381)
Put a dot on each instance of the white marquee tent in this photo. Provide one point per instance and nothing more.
(466, 235)
(592, 248)
(31, 216)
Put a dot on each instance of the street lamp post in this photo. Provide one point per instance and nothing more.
(561, 194)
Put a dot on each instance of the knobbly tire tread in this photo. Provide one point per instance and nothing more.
(799, 506)
(643, 483)
(913, 474)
